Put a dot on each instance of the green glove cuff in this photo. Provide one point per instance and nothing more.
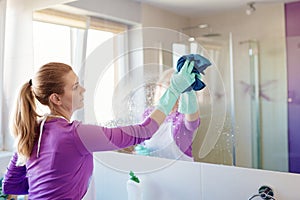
(141, 150)
(188, 103)
(167, 101)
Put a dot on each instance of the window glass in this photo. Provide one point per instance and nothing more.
(51, 43)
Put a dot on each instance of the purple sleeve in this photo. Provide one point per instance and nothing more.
(147, 112)
(15, 180)
(98, 138)
(183, 134)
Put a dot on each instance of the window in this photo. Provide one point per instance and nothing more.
(68, 38)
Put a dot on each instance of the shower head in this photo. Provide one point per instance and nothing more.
(211, 35)
(200, 26)
(204, 30)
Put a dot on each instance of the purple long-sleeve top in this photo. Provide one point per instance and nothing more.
(65, 163)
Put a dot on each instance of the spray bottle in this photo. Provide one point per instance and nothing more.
(134, 188)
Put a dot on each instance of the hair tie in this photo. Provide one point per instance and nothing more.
(30, 82)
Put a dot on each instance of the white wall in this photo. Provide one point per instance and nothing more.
(2, 36)
(155, 17)
(18, 58)
(165, 179)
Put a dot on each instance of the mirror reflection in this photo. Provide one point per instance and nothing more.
(253, 117)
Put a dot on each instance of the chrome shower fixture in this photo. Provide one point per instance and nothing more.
(250, 8)
(201, 26)
(264, 192)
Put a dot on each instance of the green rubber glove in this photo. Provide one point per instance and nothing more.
(178, 83)
(188, 103)
(142, 150)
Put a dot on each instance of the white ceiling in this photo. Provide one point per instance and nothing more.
(196, 8)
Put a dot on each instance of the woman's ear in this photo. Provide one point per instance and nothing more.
(55, 99)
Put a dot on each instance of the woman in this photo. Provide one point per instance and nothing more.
(174, 137)
(54, 156)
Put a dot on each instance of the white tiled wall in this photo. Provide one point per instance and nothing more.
(177, 180)
(226, 182)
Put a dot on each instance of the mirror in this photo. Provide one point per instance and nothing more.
(250, 81)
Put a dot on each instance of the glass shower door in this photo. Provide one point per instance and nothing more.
(255, 104)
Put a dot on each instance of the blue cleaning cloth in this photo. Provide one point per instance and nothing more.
(201, 64)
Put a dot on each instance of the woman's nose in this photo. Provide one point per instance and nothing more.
(83, 89)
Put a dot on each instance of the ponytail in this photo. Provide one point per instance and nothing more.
(49, 79)
(25, 123)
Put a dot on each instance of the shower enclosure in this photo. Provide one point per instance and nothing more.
(263, 91)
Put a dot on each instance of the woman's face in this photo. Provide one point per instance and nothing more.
(72, 99)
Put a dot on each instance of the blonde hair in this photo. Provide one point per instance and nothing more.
(49, 79)
(163, 83)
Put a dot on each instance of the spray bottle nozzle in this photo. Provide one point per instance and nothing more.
(133, 177)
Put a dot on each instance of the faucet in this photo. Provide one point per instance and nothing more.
(265, 192)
